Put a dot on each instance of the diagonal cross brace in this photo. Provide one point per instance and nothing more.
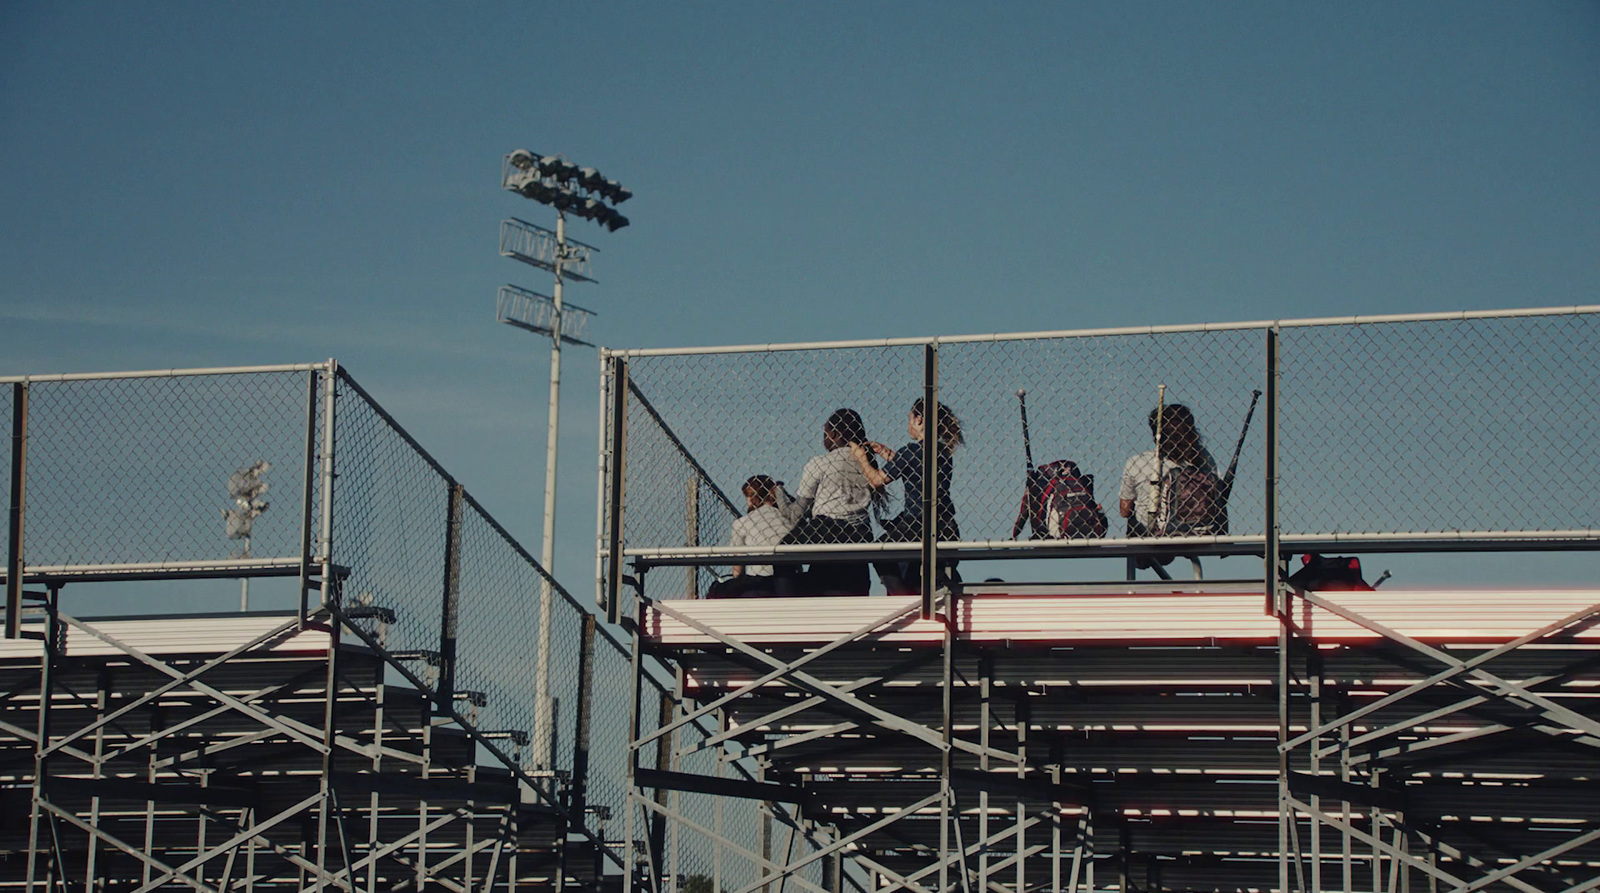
(896, 615)
(1389, 849)
(817, 686)
(176, 680)
(297, 730)
(1455, 667)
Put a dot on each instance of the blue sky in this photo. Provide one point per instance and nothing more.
(214, 184)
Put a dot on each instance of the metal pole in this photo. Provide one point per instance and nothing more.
(619, 443)
(19, 472)
(53, 641)
(930, 477)
(307, 491)
(330, 393)
(578, 793)
(691, 532)
(1274, 598)
(543, 755)
(449, 607)
(601, 479)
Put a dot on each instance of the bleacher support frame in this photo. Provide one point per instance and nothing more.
(1371, 792)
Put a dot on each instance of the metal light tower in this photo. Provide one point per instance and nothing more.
(582, 192)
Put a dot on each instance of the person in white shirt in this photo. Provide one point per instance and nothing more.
(765, 523)
(1140, 499)
(1172, 489)
(831, 506)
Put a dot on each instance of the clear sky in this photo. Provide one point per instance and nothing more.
(195, 184)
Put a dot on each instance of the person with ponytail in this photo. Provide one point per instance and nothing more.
(831, 506)
(905, 465)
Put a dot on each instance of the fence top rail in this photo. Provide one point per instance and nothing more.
(1262, 324)
(168, 373)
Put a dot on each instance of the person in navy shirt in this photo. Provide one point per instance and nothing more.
(906, 465)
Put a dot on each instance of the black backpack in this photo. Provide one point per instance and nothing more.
(1330, 574)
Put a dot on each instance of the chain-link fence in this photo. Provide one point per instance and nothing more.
(151, 475)
(458, 602)
(1412, 431)
(1469, 425)
(138, 471)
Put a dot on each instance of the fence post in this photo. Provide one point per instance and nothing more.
(19, 472)
(1275, 606)
(330, 393)
(449, 607)
(579, 802)
(691, 532)
(308, 491)
(930, 477)
(619, 442)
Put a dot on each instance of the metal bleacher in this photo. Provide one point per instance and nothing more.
(148, 781)
(378, 737)
(1124, 734)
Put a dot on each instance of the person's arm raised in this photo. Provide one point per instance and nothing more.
(876, 479)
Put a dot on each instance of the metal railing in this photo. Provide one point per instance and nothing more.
(1421, 432)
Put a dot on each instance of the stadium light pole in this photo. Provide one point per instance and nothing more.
(583, 192)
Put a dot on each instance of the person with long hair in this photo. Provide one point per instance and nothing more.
(906, 465)
(1179, 445)
(832, 506)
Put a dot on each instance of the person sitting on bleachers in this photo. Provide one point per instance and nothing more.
(765, 523)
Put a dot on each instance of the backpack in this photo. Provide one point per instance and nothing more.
(1060, 503)
(1330, 574)
(1190, 504)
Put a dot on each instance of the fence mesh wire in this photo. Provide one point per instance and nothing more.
(609, 735)
(136, 470)
(1088, 400)
(131, 471)
(1401, 428)
(1455, 425)
(392, 529)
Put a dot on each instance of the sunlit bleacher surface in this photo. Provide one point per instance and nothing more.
(381, 728)
(1126, 732)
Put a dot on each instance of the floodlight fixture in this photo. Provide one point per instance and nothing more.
(555, 181)
(246, 486)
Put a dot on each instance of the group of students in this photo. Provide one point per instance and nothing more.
(840, 489)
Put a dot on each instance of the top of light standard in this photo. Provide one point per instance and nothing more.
(555, 181)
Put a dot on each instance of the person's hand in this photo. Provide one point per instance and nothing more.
(859, 453)
(882, 450)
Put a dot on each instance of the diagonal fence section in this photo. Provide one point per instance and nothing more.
(460, 599)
